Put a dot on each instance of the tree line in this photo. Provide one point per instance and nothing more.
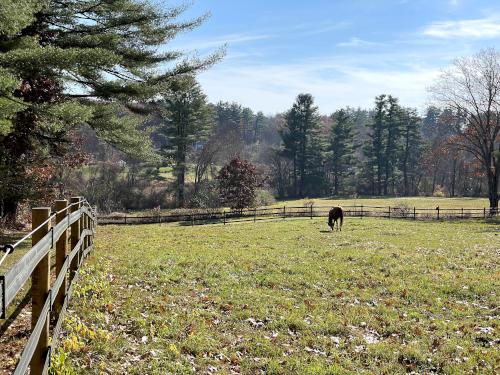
(90, 104)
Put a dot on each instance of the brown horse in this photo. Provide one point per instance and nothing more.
(335, 214)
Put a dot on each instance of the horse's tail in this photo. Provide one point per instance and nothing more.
(341, 216)
(330, 218)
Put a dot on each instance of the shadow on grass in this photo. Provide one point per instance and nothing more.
(13, 316)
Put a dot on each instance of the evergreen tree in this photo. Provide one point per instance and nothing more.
(290, 138)
(300, 122)
(341, 147)
(247, 125)
(411, 150)
(79, 62)
(392, 142)
(187, 118)
(258, 127)
(374, 147)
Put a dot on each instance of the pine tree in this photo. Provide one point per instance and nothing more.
(374, 148)
(300, 122)
(258, 126)
(392, 130)
(187, 118)
(411, 150)
(247, 121)
(341, 147)
(78, 62)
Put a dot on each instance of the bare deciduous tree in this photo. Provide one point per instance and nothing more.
(471, 88)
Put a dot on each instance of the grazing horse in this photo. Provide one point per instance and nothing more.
(335, 214)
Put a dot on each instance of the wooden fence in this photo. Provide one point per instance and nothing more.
(74, 223)
(225, 216)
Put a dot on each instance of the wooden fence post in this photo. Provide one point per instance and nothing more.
(284, 212)
(224, 216)
(192, 219)
(361, 211)
(437, 208)
(82, 228)
(75, 236)
(86, 223)
(254, 215)
(311, 211)
(414, 213)
(462, 212)
(484, 212)
(40, 285)
(389, 212)
(61, 253)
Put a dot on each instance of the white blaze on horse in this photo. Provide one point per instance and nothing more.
(335, 215)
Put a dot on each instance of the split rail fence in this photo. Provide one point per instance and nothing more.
(224, 216)
(72, 224)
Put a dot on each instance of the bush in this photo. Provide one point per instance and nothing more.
(439, 192)
(237, 184)
(263, 197)
(206, 196)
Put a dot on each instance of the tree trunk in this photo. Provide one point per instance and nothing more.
(9, 210)
(295, 189)
(493, 190)
(453, 177)
(181, 173)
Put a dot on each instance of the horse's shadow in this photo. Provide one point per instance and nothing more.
(325, 231)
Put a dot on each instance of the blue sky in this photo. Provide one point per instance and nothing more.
(344, 52)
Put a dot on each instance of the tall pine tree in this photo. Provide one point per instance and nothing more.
(300, 122)
(392, 135)
(187, 118)
(78, 62)
(411, 150)
(374, 147)
(341, 147)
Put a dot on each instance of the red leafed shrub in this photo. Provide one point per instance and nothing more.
(237, 184)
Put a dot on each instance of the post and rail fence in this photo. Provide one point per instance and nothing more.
(310, 211)
(73, 223)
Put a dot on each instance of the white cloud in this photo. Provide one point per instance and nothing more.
(357, 42)
(273, 88)
(474, 28)
(203, 44)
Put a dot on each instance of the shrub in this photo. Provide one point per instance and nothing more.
(237, 184)
(439, 192)
(263, 197)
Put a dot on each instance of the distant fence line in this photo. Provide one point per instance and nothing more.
(254, 214)
(70, 231)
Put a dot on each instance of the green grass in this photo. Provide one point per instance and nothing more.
(288, 297)
(418, 202)
(168, 173)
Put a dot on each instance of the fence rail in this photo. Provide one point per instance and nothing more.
(225, 216)
(74, 223)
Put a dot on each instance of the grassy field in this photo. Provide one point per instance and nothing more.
(168, 173)
(418, 202)
(288, 297)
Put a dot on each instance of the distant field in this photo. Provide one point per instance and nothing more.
(168, 173)
(419, 202)
(288, 297)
